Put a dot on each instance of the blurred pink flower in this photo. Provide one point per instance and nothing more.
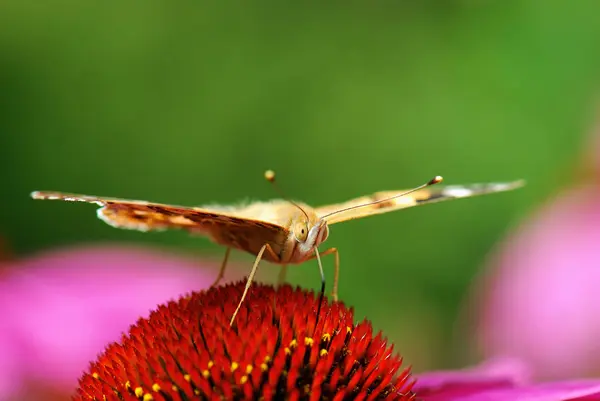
(61, 308)
(540, 301)
(500, 380)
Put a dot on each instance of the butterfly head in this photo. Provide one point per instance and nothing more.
(311, 233)
(307, 235)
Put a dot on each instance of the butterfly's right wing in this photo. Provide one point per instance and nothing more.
(225, 228)
(417, 198)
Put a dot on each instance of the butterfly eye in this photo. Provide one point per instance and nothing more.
(301, 231)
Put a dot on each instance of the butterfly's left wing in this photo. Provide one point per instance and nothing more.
(420, 197)
(224, 227)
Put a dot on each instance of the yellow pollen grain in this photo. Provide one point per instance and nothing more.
(210, 364)
(95, 375)
(293, 343)
(127, 384)
(148, 397)
(138, 392)
(287, 351)
(323, 352)
(249, 369)
(348, 329)
(155, 387)
(205, 374)
(174, 388)
(187, 377)
(197, 392)
(326, 337)
(267, 359)
(234, 366)
(309, 341)
(243, 379)
(264, 367)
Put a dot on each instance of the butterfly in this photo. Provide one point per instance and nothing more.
(280, 231)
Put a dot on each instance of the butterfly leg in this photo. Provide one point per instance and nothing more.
(282, 275)
(222, 269)
(266, 247)
(336, 271)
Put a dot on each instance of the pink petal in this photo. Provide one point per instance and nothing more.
(558, 391)
(499, 373)
(500, 380)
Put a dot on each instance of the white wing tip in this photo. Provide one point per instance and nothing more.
(507, 186)
(66, 197)
(460, 191)
(43, 195)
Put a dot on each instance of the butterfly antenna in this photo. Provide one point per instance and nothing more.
(435, 180)
(322, 294)
(270, 176)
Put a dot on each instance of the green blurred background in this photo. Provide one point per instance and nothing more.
(189, 102)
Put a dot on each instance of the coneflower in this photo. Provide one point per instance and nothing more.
(276, 350)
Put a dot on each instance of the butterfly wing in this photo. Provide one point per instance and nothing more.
(225, 228)
(420, 197)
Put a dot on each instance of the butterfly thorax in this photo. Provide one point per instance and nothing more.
(300, 230)
(277, 211)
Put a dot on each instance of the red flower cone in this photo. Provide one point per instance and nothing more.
(186, 350)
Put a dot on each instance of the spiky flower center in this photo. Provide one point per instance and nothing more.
(276, 350)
